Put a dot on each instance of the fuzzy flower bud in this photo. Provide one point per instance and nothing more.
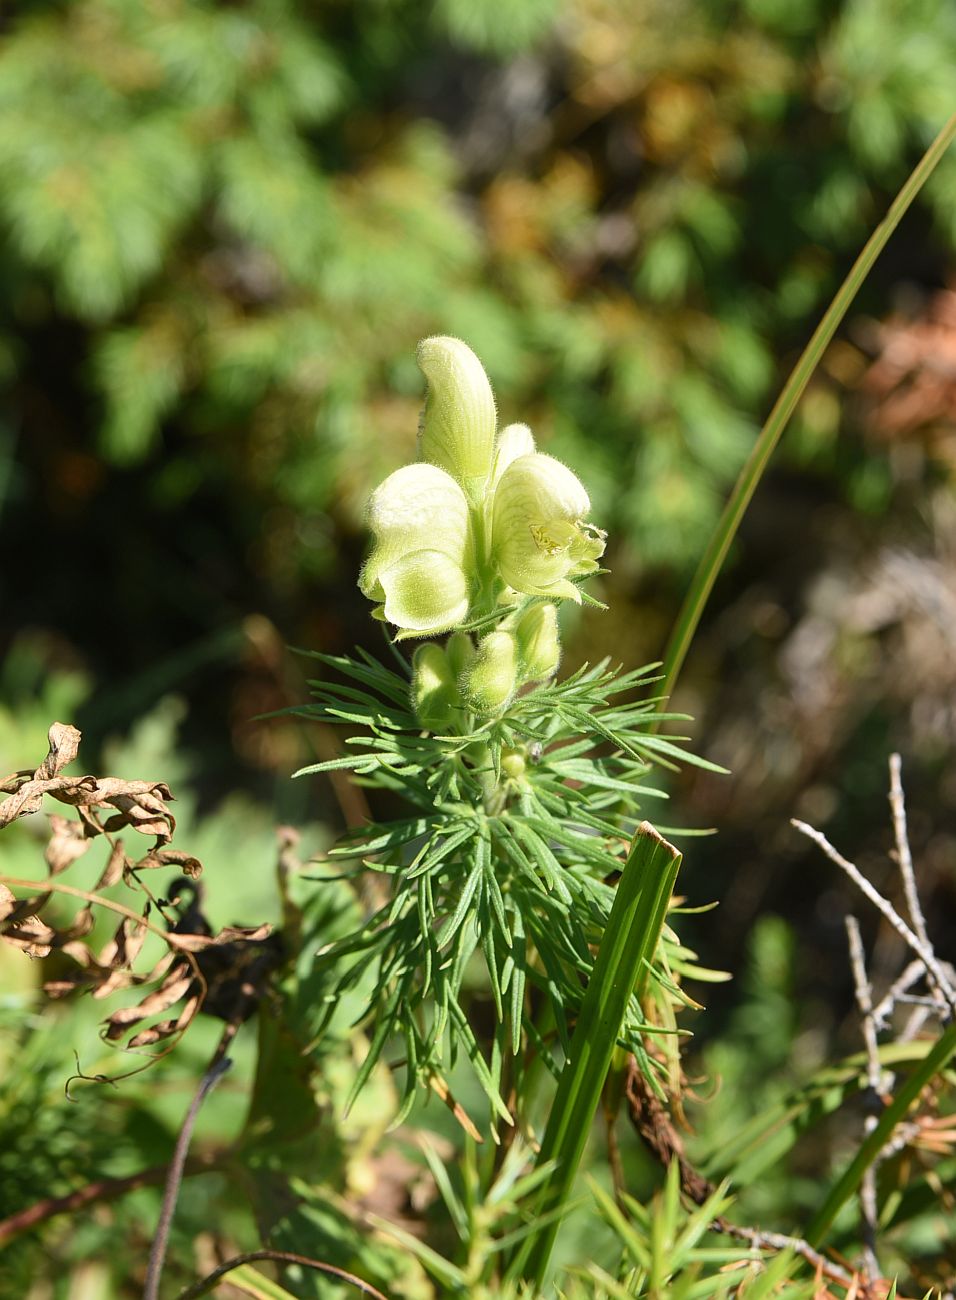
(434, 693)
(460, 651)
(457, 430)
(490, 681)
(514, 766)
(539, 648)
(539, 537)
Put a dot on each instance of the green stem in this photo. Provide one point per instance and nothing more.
(723, 535)
(620, 972)
(852, 1176)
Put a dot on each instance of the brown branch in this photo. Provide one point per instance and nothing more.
(282, 1257)
(655, 1128)
(95, 1193)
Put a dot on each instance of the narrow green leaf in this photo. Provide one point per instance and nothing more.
(455, 921)
(629, 943)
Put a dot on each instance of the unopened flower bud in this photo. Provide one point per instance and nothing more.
(490, 681)
(458, 423)
(539, 647)
(513, 765)
(434, 694)
(460, 652)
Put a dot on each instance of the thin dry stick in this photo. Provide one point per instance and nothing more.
(864, 1000)
(58, 887)
(157, 1255)
(935, 972)
(896, 993)
(903, 855)
(281, 1257)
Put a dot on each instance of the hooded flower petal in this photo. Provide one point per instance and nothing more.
(458, 423)
(513, 441)
(418, 507)
(426, 592)
(539, 538)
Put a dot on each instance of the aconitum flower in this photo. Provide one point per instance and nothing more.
(419, 522)
(480, 517)
(539, 540)
(492, 676)
(457, 430)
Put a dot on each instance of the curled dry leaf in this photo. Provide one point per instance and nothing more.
(228, 934)
(68, 842)
(174, 986)
(26, 932)
(140, 804)
(64, 742)
(187, 864)
(166, 1028)
(115, 866)
(227, 970)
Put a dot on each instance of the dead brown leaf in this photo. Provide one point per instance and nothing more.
(26, 932)
(115, 865)
(119, 953)
(64, 742)
(228, 934)
(68, 842)
(187, 864)
(173, 987)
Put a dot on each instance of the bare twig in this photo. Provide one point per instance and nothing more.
(157, 1255)
(864, 1000)
(935, 973)
(281, 1257)
(896, 992)
(58, 887)
(903, 855)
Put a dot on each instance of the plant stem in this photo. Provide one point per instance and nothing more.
(157, 1256)
(713, 558)
(280, 1257)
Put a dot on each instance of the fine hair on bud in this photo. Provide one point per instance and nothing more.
(539, 646)
(491, 680)
(434, 692)
(460, 650)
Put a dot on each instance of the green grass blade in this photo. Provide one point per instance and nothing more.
(620, 969)
(720, 542)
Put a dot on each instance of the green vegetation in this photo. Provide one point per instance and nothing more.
(438, 997)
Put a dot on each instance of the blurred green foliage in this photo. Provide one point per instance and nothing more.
(249, 213)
